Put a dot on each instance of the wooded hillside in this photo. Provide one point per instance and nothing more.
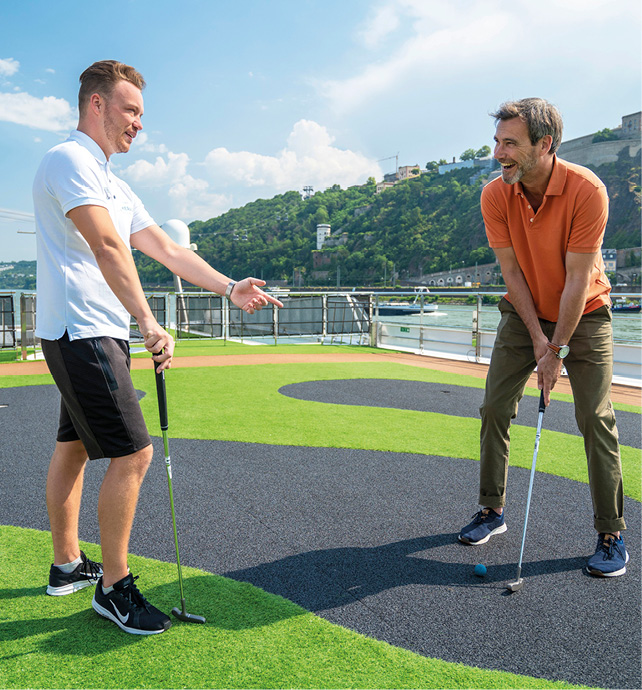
(425, 224)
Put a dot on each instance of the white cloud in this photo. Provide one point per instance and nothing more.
(308, 158)
(8, 67)
(161, 172)
(384, 22)
(142, 143)
(439, 41)
(192, 199)
(435, 48)
(48, 113)
(238, 177)
(50, 70)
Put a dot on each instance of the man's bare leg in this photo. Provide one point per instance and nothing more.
(116, 509)
(64, 493)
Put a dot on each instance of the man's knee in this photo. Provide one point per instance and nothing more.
(137, 463)
(592, 421)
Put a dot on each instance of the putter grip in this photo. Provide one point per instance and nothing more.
(542, 406)
(162, 398)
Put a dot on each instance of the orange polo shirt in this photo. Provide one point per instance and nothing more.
(571, 218)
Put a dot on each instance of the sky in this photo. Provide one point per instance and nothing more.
(247, 100)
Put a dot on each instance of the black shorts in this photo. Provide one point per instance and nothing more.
(99, 405)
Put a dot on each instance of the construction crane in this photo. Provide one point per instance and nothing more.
(396, 157)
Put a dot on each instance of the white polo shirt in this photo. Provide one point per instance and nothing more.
(72, 293)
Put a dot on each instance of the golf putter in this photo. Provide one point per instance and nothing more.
(181, 613)
(519, 581)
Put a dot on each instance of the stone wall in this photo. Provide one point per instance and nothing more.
(583, 152)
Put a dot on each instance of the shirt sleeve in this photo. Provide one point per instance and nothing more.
(495, 220)
(141, 219)
(590, 215)
(73, 183)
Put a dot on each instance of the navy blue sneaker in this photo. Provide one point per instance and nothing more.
(485, 524)
(87, 573)
(610, 557)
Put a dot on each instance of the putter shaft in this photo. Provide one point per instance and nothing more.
(517, 585)
(162, 411)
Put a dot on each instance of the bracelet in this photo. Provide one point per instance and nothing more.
(229, 288)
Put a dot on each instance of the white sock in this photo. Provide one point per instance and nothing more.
(107, 590)
(70, 567)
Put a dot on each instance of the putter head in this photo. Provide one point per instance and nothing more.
(515, 586)
(187, 617)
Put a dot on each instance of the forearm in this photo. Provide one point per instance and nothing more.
(522, 299)
(572, 304)
(189, 266)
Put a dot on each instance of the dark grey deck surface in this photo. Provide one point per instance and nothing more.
(368, 540)
(449, 399)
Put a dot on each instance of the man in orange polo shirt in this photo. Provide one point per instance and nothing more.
(545, 220)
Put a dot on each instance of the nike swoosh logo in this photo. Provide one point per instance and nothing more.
(121, 618)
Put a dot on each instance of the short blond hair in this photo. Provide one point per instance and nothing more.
(102, 77)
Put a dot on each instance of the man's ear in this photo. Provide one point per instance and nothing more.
(545, 143)
(96, 102)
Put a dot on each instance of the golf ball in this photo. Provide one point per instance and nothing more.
(480, 570)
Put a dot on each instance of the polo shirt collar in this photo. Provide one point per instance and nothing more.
(556, 182)
(86, 141)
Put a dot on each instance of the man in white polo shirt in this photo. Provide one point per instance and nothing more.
(87, 220)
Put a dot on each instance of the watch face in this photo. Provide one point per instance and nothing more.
(564, 350)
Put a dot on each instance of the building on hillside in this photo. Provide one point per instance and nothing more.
(323, 232)
(405, 172)
(584, 151)
(609, 256)
(381, 186)
(481, 165)
(631, 125)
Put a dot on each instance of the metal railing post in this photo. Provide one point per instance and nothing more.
(476, 328)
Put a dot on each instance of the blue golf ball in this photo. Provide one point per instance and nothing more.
(480, 570)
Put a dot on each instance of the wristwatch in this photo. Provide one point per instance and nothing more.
(229, 288)
(560, 350)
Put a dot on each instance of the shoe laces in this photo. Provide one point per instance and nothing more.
(608, 545)
(90, 567)
(133, 594)
(480, 516)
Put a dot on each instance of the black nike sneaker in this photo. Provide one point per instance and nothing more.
(85, 574)
(129, 609)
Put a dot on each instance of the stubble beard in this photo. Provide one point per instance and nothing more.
(115, 135)
(515, 174)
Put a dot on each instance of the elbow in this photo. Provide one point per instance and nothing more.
(107, 252)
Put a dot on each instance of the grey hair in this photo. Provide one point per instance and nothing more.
(540, 116)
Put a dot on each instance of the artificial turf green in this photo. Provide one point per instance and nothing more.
(243, 404)
(252, 639)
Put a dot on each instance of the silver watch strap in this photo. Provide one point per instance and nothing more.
(229, 288)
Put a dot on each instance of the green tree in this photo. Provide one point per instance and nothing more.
(432, 166)
(468, 155)
(483, 152)
(605, 134)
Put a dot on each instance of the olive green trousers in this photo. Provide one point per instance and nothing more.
(590, 366)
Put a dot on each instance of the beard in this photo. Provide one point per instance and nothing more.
(516, 173)
(116, 135)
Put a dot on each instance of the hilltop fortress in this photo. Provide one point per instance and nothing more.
(590, 150)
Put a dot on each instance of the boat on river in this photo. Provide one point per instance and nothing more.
(404, 308)
(626, 308)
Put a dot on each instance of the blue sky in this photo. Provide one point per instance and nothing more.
(246, 100)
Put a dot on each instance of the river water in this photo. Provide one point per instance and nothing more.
(626, 327)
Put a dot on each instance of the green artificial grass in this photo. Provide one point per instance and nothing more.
(244, 404)
(252, 639)
(205, 348)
